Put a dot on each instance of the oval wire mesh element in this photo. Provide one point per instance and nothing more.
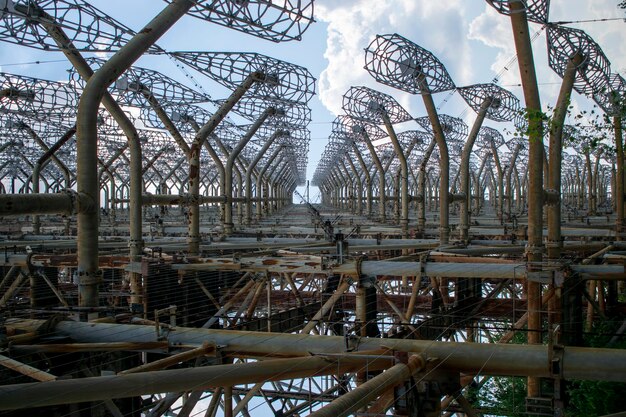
(274, 20)
(295, 137)
(612, 99)
(88, 28)
(453, 127)
(38, 98)
(282, 80)
(108, 126)
(488, 136)
(396, 61)
(536, 10)
(592, 75)
(182, 115)
(367, 104)
(503, 107)
(354, 128)
(130, 88)
(455, 148)
(421, 139)
(294, 113)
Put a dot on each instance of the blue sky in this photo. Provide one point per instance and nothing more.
(468, 37)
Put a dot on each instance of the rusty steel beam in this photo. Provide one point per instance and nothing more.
(486, 358)
(22, 396)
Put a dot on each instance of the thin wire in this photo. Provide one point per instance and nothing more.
(54, 61)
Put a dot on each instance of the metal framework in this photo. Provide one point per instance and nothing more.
(154, 263)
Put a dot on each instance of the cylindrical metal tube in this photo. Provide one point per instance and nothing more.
(368, 391)
(19, 204)
(489, 359)
(20, 396)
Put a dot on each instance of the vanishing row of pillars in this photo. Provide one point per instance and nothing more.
(85, 201)
(541, 189)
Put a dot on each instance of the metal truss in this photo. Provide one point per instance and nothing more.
(36, 98)
(278, 79)
(136, 84)
(454, 128)
(503, 105)
(293, 113)
(370, 105)
(87, 28)
(350, 127)
(536, 10)
(489, 137)
(278, 22)
(416, 137)
(254, 288)
(593, 71)
(613, 99)
(396, 61)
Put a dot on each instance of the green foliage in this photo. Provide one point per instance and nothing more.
(591, 126)
(504, 396)
(596, 398)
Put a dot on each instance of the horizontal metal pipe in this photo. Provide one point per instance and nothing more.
(386, 268)
(87, 347)
(187, 199)
(19, 204)
(20, 396)
(489, 359)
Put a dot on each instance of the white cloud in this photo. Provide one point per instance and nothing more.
(440, 27)
(494, 31)
(473, 41)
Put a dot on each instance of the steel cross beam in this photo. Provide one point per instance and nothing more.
(519, 14)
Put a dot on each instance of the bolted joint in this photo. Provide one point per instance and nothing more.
(275, 112)
(455, 197)
(418, 198)
(78, 202)
(266, 78)
(189, 199)
(86, 278)
(536, 250)
(135, 243)
(551, 197)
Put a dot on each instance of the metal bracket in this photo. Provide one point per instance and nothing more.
(555, 354)
(74, 198)
(352, 342)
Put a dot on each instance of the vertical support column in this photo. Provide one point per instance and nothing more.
(619, 178)
(523, 47)
(228, 174)
(556, 151)
(421, 207)
(404, 174)
(228, 401)
(368, 180)
(381, 177)
(464, 211)
(89, 273)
